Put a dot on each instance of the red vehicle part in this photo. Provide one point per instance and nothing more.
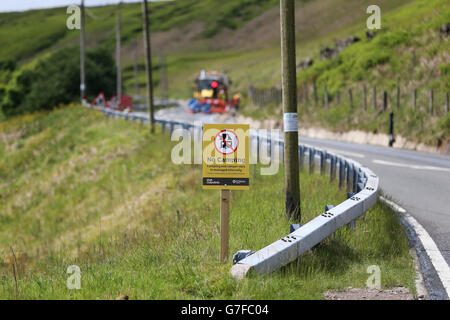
(219, 105)
(126, 102)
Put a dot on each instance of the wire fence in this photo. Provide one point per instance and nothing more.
(429, 101)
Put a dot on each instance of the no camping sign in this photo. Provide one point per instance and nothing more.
(226, 156)
(226, 167)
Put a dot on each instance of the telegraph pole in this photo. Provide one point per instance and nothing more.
(148, 64)
(290, 118)
(136, 81)
(82, 57)
(119, 66)
(163, 77)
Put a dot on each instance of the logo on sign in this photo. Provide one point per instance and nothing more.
(226, 142)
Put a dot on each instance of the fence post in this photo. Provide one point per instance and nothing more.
(350, 97)
(385, 100)
(415, 99)
(446, 103)
(398, 96)
(391, 129)
(306, 93)
(431, 102)
(251, 94)
(375, 98)
(364, 97)
(315, 92)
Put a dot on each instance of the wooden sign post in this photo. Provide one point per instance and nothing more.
(226, 167)
(224, 223)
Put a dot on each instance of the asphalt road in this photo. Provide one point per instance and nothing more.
(417, 181)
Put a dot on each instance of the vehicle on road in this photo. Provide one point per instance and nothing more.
(212, 94)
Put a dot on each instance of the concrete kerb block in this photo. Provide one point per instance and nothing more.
(239, 271)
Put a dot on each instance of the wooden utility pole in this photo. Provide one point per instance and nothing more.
(148, 64)
(82, 57)
(289, 85)
(119, 66)
(163, 82)
(136, 71)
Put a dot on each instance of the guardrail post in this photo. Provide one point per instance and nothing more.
(322, 162)
(301, 157)
(332, 168)
(349, 176)
(257, 149)
(281, 150)
(341, 173)
(312, 153)
(355, 178)
(171, 128)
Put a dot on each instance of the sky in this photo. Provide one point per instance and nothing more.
(22, 5)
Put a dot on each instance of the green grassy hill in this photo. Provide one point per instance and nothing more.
(242, 37)
(77, 188)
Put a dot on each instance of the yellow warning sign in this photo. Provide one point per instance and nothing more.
(226, 156)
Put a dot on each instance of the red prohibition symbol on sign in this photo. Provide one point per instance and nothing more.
(226, 142)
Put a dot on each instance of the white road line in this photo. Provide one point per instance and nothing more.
(411, 166)
(438, 261)
(335, 151)
(346, 153)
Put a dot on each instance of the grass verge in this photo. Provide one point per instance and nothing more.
(80, 189)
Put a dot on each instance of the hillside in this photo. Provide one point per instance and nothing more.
(79, 188)
(242, 37)
(187, 31)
